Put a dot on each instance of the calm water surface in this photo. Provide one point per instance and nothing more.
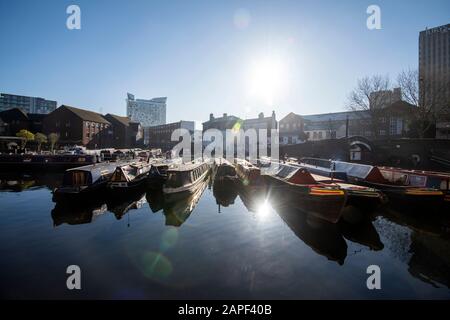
(223, 242)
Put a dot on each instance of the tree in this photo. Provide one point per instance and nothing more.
(53, 139)
(26, 135)
(368, 97)
(40, 138)
(427, 96)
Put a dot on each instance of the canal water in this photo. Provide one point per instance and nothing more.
(224, 242)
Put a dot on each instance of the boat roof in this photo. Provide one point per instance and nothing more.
(354, 169)
(419, 172)
(187, 166)
(97, 167)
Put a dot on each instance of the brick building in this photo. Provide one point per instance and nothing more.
(126, 133)
(79, 126)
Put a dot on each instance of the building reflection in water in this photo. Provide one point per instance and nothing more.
(14, 182)
(422, 241)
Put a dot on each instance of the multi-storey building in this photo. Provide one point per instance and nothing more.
(27, 104)
(79, 126)
(126, 133)
(434, 74)
(384, 98)
(394, 123)
(147, 112)
(291, 129)
(160, 136)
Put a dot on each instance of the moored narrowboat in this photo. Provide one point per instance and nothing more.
(357, 195)
(371, 176)
(248, 173)
(185, 179)
(129, 177)
(84, 183)
(224, 171)
(419, 178)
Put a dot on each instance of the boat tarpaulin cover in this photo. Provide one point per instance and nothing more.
(353, 169)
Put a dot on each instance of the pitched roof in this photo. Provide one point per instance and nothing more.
(86, 114)
(123, 120)
(228, 118)
(289, 115)
(13, 114)
(336, 116)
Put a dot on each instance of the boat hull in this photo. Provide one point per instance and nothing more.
(325, 207)
(74, 194)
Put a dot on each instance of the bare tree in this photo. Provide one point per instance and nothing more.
(427, 96)
(369, 96)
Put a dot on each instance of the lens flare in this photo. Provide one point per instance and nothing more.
(263, 210)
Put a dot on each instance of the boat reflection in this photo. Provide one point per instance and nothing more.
(357, 227)
(74, 215)
(323, 237)
(120, 207)
(252, 196)
(176, 210)
(225, 192)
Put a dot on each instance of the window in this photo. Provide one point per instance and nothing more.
(320, 135)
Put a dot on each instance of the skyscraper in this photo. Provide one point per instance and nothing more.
(148, 112)
(434, 63)
(27, 104)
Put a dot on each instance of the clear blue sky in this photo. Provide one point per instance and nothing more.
(205, 56)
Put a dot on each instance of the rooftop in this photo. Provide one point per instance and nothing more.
(86, 114)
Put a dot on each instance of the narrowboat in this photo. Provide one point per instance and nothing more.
(84, 183)
(129, 177)
(298, 189)
(371, 176)
(45, 161)
(419, 178)
(158, 172)
(185, 179)
(224, 170)
(248, 173)
(357, 195)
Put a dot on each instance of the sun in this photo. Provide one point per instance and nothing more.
(266, 79)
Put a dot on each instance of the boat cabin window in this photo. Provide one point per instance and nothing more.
(77, 178)
(445, 184)
(417, 181)
(285, 171)
(176, 179)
